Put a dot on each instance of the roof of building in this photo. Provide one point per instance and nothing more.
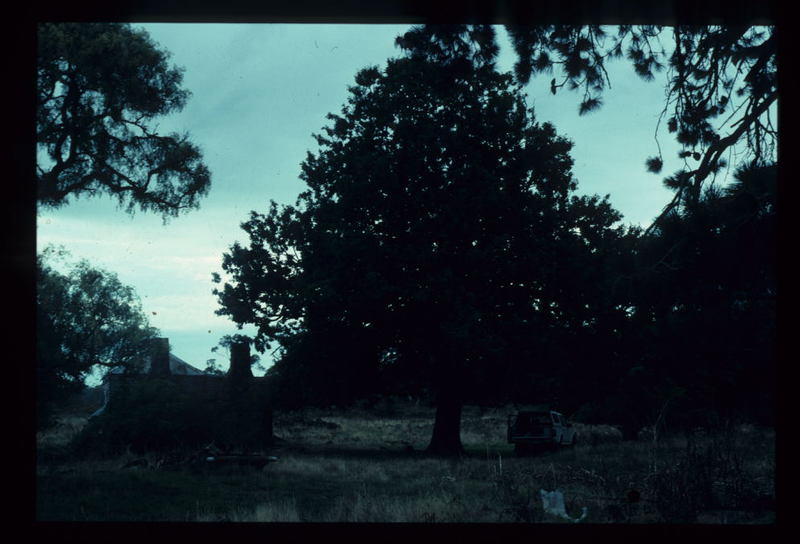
(176, 366)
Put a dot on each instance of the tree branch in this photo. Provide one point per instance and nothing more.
(712, 155)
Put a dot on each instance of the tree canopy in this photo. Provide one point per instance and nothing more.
(99, 88)
(86, 320)
(439, 238)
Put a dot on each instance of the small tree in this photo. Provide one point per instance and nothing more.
(87, 320)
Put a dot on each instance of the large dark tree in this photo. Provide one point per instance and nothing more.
(99, 87)
(438, 236)
(86, 320)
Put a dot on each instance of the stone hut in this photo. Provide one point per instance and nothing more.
(238, 390)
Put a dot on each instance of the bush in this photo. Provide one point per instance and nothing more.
(597, 434)
(709, 477)
(684, 489)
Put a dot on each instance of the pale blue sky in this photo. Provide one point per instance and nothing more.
(259, 91)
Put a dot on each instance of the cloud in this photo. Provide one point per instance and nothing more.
(170, 267)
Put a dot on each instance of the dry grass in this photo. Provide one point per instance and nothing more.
(266, 512)
(356, 467)
(62, 433)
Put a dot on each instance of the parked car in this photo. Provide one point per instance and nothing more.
(529, 430)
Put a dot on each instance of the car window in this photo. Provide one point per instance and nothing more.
(534, 419)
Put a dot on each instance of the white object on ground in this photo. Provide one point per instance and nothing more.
(553, 503)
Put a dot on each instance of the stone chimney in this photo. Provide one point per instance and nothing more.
(240, 361)
(159, 357)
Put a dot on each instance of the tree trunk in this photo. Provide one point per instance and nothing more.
(446, 439)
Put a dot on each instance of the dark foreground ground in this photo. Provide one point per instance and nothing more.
(360, 466)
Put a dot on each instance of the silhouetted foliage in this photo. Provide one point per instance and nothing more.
(654, 164)
(701, 338)
(438, 242)
(86, 320)
(99, 88)
(720, 93)
(720, 78)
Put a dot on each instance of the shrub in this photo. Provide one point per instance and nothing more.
(710, 474)
(684, 488)
(597, 434)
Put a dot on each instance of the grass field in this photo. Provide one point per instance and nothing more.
(358, 466)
